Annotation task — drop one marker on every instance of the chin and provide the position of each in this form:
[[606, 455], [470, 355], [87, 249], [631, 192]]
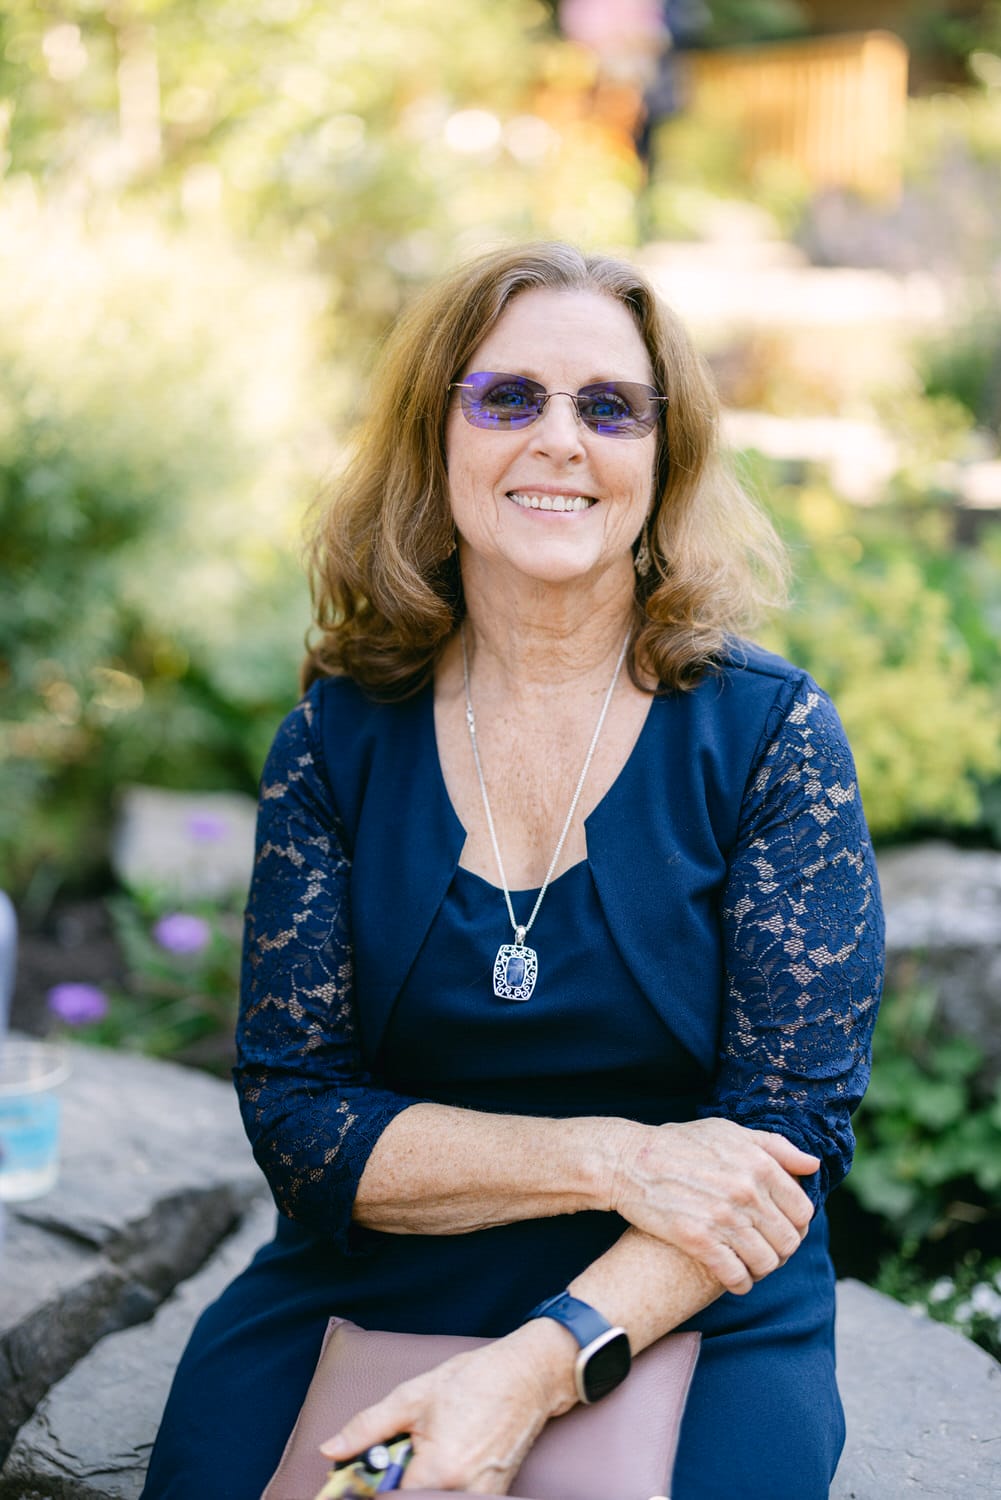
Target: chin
[[559, 567]]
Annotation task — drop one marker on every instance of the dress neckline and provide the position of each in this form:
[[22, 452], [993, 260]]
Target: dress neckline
[[428, 726]]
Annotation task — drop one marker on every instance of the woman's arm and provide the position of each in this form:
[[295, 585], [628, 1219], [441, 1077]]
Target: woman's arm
[[803, 944], [474, 1418], [726, 1195], [309, 1106]]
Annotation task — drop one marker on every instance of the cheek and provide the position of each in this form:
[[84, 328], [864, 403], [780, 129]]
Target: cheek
[[635, 480]]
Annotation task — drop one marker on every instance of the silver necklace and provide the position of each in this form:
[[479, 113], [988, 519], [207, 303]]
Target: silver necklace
[[516, 967]]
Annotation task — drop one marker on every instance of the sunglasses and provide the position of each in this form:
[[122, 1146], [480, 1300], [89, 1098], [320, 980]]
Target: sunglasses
[[613, 408]]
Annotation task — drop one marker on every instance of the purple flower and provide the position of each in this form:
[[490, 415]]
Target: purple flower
[[182, 933], [206, 828], [77, 1004]]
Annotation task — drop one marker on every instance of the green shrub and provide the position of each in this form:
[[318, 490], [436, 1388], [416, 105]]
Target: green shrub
[[929, 1132], [899, 627], [966, 366], [968, 1298], [153, 417], [927, 1170], [181, 997]]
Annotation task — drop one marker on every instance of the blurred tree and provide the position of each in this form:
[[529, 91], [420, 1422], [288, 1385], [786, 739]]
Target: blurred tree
[[375, 139], [735, 21]]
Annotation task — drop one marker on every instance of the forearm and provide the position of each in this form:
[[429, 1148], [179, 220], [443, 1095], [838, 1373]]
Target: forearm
[[644, 1286], [437, 1169]]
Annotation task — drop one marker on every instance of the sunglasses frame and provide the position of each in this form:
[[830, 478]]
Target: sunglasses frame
[[645, 424]]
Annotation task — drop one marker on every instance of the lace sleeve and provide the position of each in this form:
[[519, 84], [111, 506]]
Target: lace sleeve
[[803, 944], [309, 1107]]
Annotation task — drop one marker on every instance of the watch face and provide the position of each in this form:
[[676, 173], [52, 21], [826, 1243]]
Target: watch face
[[607, 1367]]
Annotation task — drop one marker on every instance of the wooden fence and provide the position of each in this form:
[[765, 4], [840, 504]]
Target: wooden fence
[[834, 106]]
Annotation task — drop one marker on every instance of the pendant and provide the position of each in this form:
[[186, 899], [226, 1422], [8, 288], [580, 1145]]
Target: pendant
[[516, 968]]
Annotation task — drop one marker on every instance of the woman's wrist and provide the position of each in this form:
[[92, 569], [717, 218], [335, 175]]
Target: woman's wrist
[[621, 1143], [588, 1156], [547, 1353]]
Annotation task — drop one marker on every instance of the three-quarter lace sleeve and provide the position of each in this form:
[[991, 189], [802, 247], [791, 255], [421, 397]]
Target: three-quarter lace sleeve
[[311, 1110], [803, 944]]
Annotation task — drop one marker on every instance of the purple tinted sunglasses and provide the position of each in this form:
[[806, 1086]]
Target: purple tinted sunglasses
[[613, 408]]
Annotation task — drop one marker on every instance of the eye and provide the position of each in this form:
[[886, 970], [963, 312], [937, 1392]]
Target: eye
[[606, 405], [509, 397]]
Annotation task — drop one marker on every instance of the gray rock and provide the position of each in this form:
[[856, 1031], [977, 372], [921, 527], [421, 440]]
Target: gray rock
[[91, 1437], [191, 844], [155, 1171], [943, 929], [57, 1297], [923, 1404]]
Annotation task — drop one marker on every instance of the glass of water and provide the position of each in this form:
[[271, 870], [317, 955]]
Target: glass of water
[[30, 1073]]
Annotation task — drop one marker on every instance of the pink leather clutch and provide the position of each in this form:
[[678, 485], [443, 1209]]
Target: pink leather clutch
[[620, 1449]]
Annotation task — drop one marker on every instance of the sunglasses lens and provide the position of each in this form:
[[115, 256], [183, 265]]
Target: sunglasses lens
[[613, 408], [493, 400], [617, 408]]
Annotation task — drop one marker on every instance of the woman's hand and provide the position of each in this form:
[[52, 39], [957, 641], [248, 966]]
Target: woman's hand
[[472, 1419], [725, 1195]]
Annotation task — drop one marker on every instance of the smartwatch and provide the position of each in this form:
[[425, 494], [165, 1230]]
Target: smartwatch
[[605, 1356]]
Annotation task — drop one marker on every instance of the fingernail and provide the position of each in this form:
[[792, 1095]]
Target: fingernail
[[334, 1447]]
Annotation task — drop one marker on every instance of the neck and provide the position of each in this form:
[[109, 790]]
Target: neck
[[525, 634]]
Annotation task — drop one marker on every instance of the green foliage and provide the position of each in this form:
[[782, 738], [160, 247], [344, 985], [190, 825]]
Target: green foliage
[[969, 1299], [928, 1166], [175, 1005], [900, 628], [152, 449], [965, 365], [954, 33], [735, 21], [929, 1135], [376, 140], [702, 178]]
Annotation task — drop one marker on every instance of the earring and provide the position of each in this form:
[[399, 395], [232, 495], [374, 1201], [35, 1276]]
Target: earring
[[643, 560]]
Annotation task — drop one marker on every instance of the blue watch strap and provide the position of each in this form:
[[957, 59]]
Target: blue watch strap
[[584, 1322]]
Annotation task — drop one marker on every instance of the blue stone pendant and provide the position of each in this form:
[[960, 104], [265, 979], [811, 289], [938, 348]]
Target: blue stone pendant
[[516, 969]]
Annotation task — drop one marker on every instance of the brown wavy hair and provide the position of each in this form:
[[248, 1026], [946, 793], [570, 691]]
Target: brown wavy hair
[[384, 572]]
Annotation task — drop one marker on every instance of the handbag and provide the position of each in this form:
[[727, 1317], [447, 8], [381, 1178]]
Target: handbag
[[622, 1448]]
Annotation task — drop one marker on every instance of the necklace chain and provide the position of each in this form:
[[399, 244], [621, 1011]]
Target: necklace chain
[[522, 931]]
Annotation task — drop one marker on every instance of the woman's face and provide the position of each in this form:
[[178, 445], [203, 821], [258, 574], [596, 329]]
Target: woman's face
[[564, 340]]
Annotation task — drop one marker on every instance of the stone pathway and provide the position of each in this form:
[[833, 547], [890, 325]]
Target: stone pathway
[[160, 1204]]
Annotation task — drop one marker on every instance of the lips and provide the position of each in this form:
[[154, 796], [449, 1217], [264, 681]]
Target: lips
[[531, 500]]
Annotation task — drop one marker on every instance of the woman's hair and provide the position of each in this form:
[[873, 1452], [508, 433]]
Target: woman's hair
[[384, 571]]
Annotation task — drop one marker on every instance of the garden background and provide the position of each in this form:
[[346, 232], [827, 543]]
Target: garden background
[[209, 215]]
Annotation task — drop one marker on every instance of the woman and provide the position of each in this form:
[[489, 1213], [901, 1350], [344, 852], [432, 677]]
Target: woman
[[563, 946]]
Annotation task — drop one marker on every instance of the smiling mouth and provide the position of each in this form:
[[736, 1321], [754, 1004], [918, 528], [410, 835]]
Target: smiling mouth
[[528, 500]]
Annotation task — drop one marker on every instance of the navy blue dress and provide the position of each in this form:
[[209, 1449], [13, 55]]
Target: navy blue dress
[[718, 953]]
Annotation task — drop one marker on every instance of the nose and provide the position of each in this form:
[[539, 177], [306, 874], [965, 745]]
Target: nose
[[559, 428]]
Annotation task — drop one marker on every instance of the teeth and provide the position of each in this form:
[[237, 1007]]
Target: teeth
[[529, 501]]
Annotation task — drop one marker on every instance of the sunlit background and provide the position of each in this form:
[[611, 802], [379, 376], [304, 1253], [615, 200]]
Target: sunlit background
[[210, 214]]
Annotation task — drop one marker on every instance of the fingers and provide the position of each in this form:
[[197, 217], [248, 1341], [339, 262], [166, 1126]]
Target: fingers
[[376, 1424], [801, 1163], [741, 1246]]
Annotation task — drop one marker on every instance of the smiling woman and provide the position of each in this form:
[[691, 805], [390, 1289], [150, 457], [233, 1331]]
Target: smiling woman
[[559, 977], [386, 572]]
